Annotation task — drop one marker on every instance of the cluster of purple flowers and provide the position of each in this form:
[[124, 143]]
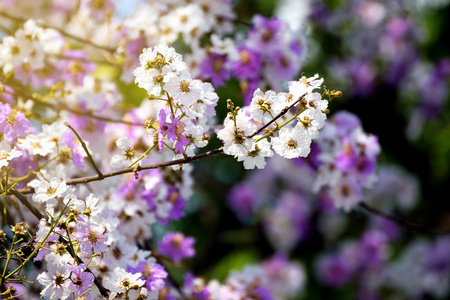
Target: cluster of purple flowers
[[272, 53]]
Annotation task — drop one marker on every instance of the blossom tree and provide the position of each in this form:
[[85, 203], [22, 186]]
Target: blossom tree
[[107, 120]]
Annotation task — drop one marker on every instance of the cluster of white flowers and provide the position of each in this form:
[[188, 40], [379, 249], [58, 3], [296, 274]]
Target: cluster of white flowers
[[185, 106], [29, 46], [289, 136]]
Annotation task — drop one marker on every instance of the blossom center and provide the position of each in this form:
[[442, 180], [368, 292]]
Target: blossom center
[[51, 191], [291, 144], [92, 236], [185, 86], [263, 104], [156, 63], [4, 155], [239, 136], [59, 279]]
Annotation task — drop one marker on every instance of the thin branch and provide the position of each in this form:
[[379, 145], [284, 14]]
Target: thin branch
[[24, 200], [62, 31], [232, 20], [134, 169], [83, 144], [59, 108], [282, 113], [400, 222]]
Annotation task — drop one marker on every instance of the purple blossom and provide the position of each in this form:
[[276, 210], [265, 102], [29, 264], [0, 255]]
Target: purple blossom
[[173, 199], [249, 64], [51, 239], [215, 67], [199, 292], [243, 199], [81, 280], [129, 190], [153, 275], [37, 78], [13, 123], [165, 295], [175, 134], [346, 159], [333, 270], [283, 65], [373, 248], [261, 293], [91, 237], [439, 260], [249, 89], [176, 246], [266, 34], [346, 122], [75, 67], [202, 294]]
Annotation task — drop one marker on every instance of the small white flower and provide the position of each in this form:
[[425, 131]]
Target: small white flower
[[292, 143], [117, 161], [263, 106], [184, 89], [45, 191], [304, 86], [255, 158], [312, 120], [123, 143], [56, 281], [6, 154], [234, 137], [39, 144], [346, 193], [122, 281]]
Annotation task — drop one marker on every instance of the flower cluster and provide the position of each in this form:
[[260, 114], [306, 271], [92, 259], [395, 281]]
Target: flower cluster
[[294, 133], [347, 160]]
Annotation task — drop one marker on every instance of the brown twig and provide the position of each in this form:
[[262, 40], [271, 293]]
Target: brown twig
[[400, 222], [232, 20], [282, 113], [83, 144], [24, 200], [87, 179], [62, 31]]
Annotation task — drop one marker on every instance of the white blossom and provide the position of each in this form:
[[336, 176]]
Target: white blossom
[[292, 143], [234, 137], [6, 154]]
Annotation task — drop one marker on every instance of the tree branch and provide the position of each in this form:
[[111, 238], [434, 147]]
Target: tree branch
[[83, 144], [134, 169], [400, 222]]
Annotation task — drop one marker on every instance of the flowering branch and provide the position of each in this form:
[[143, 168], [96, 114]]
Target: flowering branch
[[23, 199], [282, 113], [133, 170]]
